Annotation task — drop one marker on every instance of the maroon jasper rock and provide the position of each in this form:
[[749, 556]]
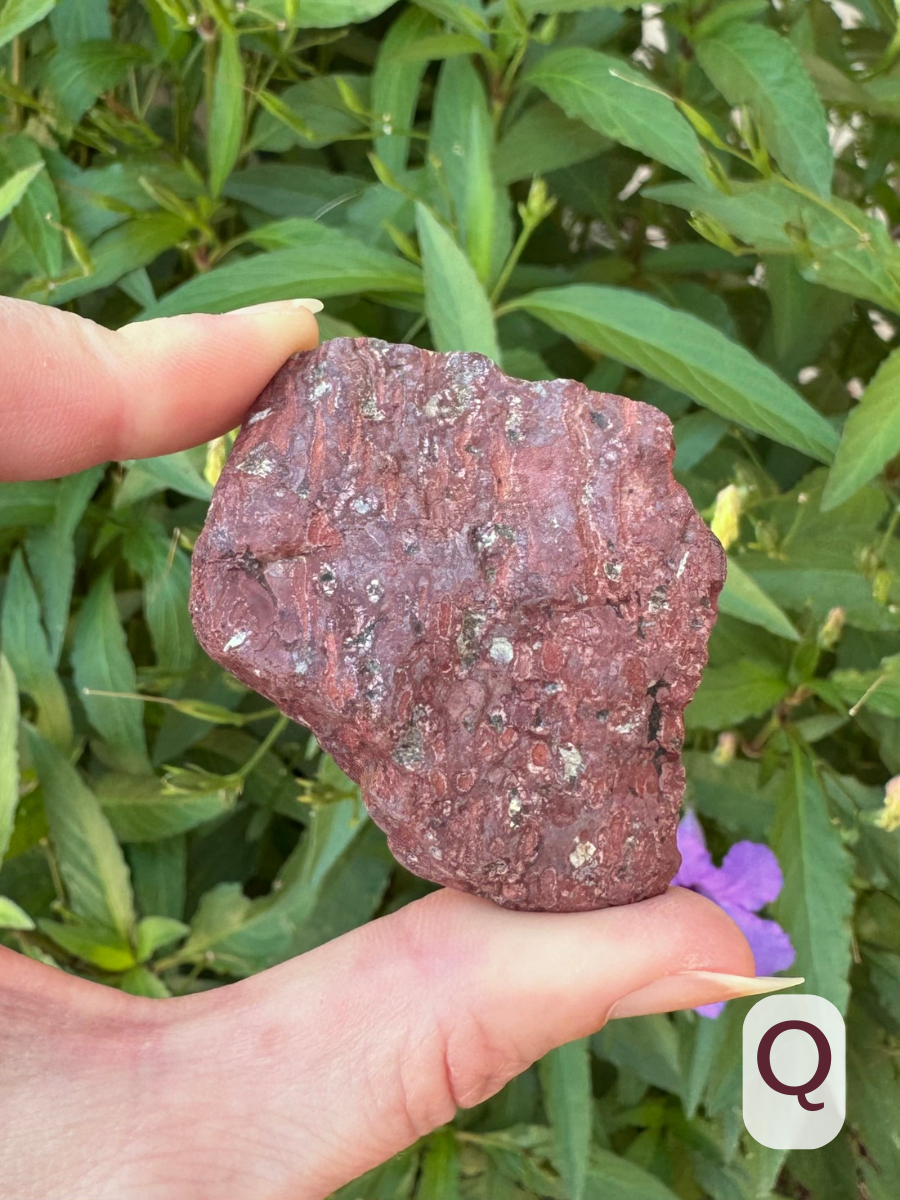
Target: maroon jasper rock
[[488, 599]]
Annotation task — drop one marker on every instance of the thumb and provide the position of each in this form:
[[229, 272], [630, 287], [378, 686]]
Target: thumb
[[376, 1038], [73, 393]]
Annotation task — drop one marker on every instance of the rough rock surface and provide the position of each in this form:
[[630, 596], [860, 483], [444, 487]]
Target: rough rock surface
[[487, 598]]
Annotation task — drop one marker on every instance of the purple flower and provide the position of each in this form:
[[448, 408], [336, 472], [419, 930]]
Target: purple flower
[[748, 879]]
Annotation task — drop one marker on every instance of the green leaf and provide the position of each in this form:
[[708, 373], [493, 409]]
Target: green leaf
[[178, 471], [133, 244], [877, 689], [568, 1098], [752, 65], [79, 73], [101, 661], [729, 695], [326, 14], [51, 553], [395, 85], [871, 436], [226, 118], [544, 139], [141, 982], [143, 808], [89, 857], [439, 1176], [25, 645], [312, 114], [12, 916], [532, 7], [93, 943], [36, 211], [835, 243], [873, 1094], [647, 1046], [696, 435], [623, 104], [329, 264], [460, 152], [293, 190], [615, 1178], [18, 15], [817, 900], [9, 752], [26, 503], [244, 935], [74, 21], [743, 597], [12, 191], [158, 870], [154, 933], [458, 310], [686, 353]]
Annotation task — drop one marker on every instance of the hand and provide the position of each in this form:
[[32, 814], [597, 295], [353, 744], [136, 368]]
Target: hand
[[297, 1080]]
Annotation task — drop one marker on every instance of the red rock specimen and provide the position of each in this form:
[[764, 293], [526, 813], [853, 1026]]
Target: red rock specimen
[[487, 598]]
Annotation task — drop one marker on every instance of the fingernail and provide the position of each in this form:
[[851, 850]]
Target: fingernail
[[689, 989], [313, 306]]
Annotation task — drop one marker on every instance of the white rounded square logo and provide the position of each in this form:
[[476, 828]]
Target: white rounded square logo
[[795, 1089]]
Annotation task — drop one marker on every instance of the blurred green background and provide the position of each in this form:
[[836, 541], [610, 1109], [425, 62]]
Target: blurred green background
[[693, 204]]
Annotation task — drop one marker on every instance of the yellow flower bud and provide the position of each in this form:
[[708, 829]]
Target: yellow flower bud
[[888, 818], [726, 522], [830, 633], [726, 749]]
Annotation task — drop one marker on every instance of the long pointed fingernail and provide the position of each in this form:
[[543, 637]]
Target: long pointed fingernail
[[689, 989], [313, 306]]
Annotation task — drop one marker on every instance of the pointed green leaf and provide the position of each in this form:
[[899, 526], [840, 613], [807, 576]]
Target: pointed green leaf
[[620, 102], [871, 436], [101, 661], [544, 139], [458, 310], [439, 1177], [688, 354], [330, 263], [121, 250], [25, 645], [743, 597], [142, 808], [568, 1098], [729, 695], [326, 14], [159, 870], [12, 191], [836, 243], [12, 916], [245, 935], [36, 213], [9, 752], [79, 73], [95, 944], [460, 154], [615, 1178], [752, 65], [140, 981], [51, 553], [89, 857], [153, 933], [395, 85], [226, 118], [26, 503], [18, 15], [816, 901]]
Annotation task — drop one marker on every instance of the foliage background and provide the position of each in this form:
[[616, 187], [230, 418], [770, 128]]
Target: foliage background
[[694, 205]]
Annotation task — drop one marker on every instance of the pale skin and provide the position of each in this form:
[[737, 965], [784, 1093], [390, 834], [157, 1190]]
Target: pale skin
[[293, 1082]]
